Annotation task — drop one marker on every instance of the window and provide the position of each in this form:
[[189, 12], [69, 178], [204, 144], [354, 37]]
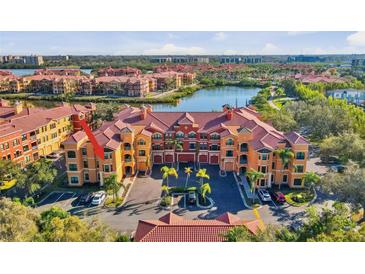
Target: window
[[97, 164], [25, 148], [107, 168], [203, 136], [27, 159], [71, 154], [72, 167], [168, 146], [86, 164], [243, 159], [263, 169], [286, 166], [127, 146], [141, 153], [229, 153], [84, 151], [214, 147], [192, 135], [244, 147], [127, 158], [273, 165], [24, 137], [179, 135], [192, 146], [15, 142], [203, 146], [156, 136], [53, 135], [156, 147], [108, 155], [300, 155], [297, 182], [272, 178], [74, 180], [230, 142], [215, 136], [52, 126], [168, 135], [285, 178], [299, 168], [141, 142], [263, 156], [262, 182], [86, 177]]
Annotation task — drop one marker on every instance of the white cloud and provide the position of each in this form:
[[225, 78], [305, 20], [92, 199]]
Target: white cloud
[[230, 52], [270, 48], [170, 49], [356, 39], [219, 36]]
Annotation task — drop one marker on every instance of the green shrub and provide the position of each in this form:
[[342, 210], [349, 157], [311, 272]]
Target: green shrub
[[166, 201]]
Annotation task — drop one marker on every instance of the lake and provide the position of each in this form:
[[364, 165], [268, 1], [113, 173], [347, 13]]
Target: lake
[[207, 99], [211, 99], [24, 72]]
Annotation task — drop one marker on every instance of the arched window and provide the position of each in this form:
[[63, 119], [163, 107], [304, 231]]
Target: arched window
[[243, 159], [230, 142], [214, 136], [243, 147], [156, 136], [141, 142], [127, 146], [179, 135], [192, 135], [127, 158]]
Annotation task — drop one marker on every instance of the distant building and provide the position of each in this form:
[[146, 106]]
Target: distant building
[[357, 62], [240, 59], [305, 58], [29, 60], [34, 60]]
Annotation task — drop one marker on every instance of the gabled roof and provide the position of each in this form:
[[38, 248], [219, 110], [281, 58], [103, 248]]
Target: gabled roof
[[186, 119], [295, 138]]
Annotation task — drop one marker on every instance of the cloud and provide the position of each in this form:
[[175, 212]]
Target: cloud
[[356, 39], [297, 33], [170, 49], [219, 36], [230, 52], [270, 48]]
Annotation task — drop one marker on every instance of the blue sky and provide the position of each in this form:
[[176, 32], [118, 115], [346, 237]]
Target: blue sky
[[152, 43]]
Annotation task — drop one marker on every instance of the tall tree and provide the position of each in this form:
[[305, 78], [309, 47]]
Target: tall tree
[[111, 184], [202, 174], [285, 155], [253, 176], [310, 179], [167, 172], [204, 189], [188, 172]]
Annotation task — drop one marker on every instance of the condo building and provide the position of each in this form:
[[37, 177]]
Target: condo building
[[28, 134], [234, 139]]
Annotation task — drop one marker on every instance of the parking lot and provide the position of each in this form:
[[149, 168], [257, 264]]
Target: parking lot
[[62, 199]]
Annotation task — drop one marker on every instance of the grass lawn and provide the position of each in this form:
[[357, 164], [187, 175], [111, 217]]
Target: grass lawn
[[299, 198], [8, 184]]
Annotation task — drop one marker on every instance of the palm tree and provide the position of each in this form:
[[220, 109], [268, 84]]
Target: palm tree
[[111, 183], [188, 172], [202, 174], [165, 189], [178, 145], [310, 179], [168, 171], [285, 155], [204, 189], [253, 176]]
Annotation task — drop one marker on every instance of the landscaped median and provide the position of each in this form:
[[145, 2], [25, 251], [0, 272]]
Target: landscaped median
[[299, 198]]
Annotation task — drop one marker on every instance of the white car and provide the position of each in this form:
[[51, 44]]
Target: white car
[[264, 195], [98, 198]]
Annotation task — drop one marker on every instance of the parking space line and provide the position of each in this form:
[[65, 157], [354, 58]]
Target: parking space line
[[60, 197], [274, 203]]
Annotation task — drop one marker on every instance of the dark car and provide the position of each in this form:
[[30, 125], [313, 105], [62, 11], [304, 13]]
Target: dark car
[[278, 197], [192, 198], [86, 198]]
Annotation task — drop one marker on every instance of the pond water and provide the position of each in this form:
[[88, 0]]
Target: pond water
[[211, 99], [208, 99], [24, 72]]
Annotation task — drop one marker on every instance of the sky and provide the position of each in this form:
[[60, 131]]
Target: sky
[[171, 43]]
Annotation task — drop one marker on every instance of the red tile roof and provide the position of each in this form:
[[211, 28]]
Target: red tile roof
[[173, 228]]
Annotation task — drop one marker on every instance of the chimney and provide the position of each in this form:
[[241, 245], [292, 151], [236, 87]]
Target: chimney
[[143, 114], [228, 110], [18, 107]]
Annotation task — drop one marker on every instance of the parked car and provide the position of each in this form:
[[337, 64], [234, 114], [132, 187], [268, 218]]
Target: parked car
[[329, 160], [86, 198], [192, 198], [264, 195], [98, 198], [53, 155], [278, 197]]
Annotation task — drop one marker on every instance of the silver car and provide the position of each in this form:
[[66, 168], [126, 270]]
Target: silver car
[[264, 195], [98, 198]]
